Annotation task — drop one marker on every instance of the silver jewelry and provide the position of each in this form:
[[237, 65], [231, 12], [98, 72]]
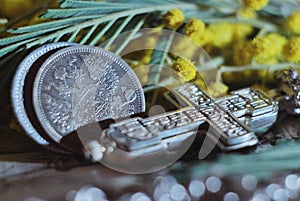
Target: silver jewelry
[[234, 121]]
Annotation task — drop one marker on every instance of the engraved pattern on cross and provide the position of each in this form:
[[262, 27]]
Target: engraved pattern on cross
[[233, 121]]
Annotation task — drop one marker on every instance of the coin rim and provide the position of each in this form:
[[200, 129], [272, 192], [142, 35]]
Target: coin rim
[[17, 93], [56, 136]]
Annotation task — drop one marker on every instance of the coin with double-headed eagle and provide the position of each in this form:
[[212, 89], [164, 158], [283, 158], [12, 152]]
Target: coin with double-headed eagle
[[80, 85]]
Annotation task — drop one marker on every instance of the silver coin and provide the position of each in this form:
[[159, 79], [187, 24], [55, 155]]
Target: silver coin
[[80, 85], [18, 96]]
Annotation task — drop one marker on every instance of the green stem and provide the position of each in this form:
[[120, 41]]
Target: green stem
[[131, 35], [88, 35], [101, 33], [11, 48], [118, 31], [73, 36]]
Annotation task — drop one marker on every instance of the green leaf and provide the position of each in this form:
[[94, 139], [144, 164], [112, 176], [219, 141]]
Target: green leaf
[[13, 39], [57, 23], [86, 4], [75, 12], [87, 22], [102, 32], [130, 36], [118, 31], [147, 2], [13, 47]]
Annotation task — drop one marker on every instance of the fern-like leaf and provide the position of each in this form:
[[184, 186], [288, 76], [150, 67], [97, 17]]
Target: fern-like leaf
[[57, 23], [86, 22], [14, 39], [6, 50], [76, 12], [86, 4]]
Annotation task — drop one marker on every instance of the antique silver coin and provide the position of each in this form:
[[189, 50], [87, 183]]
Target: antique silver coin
[[18, 96], [80, 85]]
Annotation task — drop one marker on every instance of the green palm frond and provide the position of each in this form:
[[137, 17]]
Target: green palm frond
[[86, 22]]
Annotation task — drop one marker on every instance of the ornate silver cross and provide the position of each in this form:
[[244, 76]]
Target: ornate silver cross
[[233, 121]]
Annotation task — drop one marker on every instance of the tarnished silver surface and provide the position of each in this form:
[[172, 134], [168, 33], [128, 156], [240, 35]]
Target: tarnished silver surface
[[17, 93], [81, 85]]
